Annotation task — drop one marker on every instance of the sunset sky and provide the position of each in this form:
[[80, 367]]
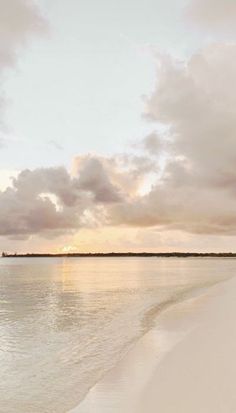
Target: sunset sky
[[118, 125]]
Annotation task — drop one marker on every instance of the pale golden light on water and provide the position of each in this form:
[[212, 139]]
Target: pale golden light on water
[[77, 317]]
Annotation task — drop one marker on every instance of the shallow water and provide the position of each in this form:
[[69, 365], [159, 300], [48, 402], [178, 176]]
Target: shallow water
[[65, 322]]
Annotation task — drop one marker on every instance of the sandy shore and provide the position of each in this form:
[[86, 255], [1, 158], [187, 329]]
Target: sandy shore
[[187, 363]]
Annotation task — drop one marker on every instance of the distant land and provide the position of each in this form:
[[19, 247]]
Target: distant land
[[125, 254]]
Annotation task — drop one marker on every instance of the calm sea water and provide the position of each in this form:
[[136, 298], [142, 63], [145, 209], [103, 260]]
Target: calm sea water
[[65, 322]]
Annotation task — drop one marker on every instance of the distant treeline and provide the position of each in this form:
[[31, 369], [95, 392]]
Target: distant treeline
[[126, 254]]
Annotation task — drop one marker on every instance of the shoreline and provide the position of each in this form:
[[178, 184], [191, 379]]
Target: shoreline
[[137, 380]]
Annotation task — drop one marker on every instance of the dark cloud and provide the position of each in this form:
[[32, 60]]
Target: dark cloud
[[48, 201], [94, 178], [29, 206]]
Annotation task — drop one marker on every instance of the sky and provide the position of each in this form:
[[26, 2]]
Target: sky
[[117, 125]]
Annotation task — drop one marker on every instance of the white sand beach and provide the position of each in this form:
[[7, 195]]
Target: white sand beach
[[186, 363]]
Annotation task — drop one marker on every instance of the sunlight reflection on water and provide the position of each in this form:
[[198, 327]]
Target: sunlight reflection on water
[[64, 322]]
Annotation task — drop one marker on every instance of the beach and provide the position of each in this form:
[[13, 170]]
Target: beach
[[117, 206], [111, 335], [186, 363]]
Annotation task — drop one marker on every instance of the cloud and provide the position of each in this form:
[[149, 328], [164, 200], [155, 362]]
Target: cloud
[[216, 15], [25, 210], [93, 177], [55, 145], [112, 179], [196, 193], [19, 20], [196, 100], [187, 168], [152, 144], [49, 201]]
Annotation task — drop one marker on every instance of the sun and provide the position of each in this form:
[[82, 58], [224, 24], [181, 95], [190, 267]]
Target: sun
[[69, 248]]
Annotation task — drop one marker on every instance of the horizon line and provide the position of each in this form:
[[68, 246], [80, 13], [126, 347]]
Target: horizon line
[[119, 254]]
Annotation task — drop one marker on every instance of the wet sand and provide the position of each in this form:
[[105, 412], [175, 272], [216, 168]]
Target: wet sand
[[186, 363]]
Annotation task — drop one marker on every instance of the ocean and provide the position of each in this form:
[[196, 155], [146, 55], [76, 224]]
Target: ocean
[[65, 322]]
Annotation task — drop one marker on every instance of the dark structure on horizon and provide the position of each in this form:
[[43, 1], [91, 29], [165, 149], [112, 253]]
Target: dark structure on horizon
[[125, 254]]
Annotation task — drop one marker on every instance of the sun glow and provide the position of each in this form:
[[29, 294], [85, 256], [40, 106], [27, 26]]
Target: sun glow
[[69, 249]]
